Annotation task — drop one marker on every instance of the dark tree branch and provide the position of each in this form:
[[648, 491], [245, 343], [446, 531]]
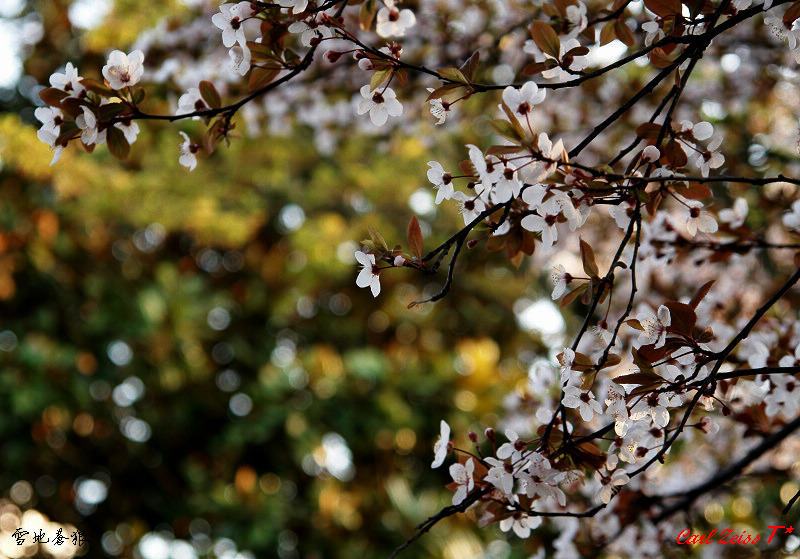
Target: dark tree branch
[[730, 471]]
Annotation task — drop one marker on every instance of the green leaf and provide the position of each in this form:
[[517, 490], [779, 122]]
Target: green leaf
[[210, 95], [110, 110], [138, 95], [443, 90], [545, 38], [366, 14], [377, 239], [453, 75], [503, 128], [98, 87], [379, 78]]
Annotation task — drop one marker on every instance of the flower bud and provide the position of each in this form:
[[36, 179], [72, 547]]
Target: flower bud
[[333, 56], [650, 154], [489, 434], [473, 436]]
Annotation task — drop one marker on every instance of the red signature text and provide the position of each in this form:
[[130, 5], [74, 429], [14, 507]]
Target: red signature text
[[728, 536]]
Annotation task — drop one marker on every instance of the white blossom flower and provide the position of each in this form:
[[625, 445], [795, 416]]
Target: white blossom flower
[[508, 185], [534, 171], [87, 122], [699, 219], [509, 449], [584, 402], [701, 131], [710, 158], [380, 105], [653, 31], [123, 70], [791, 219], [565, 360], [470, 207], [653, 405], [130, 129], [441, 180], [617, 479], [735, 216], [578, 62], [488, 169], [655, 327], [521, 524], [240, 58], [369, 276], [188, 158], [539, 478], [441, 446], [297, 6], [394, 23], [49, 137], [784, 397], [650, 154], [560, 279], [545, 222], [230, 19], [501, 475], [462, 475], [51, 118], [69, 81], [310, 30], [622, 214], [576, 15], [617, 408], [522, 100], [190, 102], [438, 110]]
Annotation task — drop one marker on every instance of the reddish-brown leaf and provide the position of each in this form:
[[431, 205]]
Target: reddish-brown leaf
[[546, 39], [415, 237], [608, 33], [117, 144], [587, 257], [624, 33], [696, 191], [574, 294], [210, 94], [260, 77], [701, 293], [664, 8], [682, 318], [791, 14], [471, 66], [648, 131], [52, 96]]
